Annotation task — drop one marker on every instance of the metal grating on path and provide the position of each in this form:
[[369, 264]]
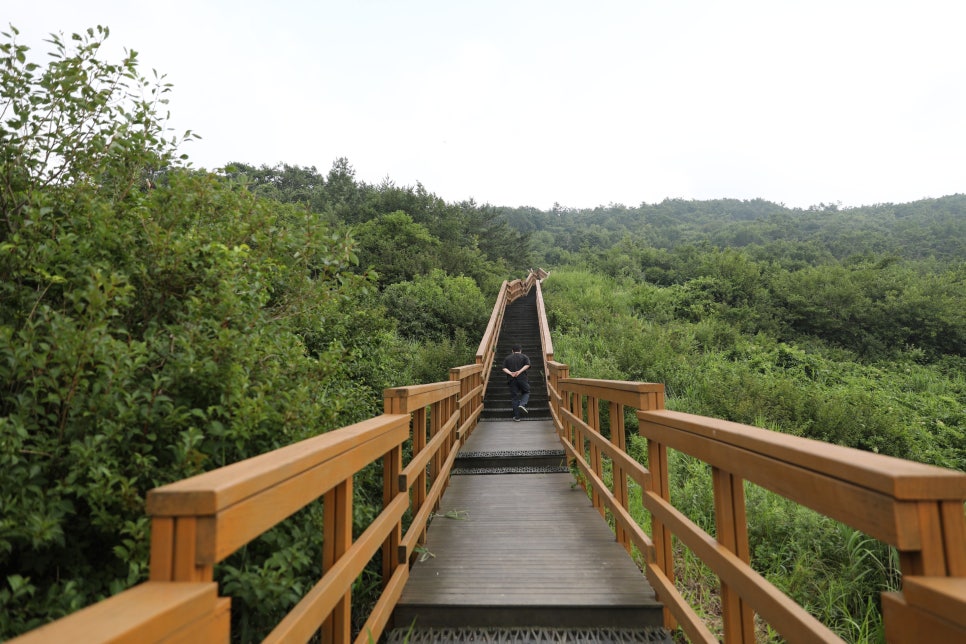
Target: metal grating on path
[[529, 635], [514, 452], [549, 469]]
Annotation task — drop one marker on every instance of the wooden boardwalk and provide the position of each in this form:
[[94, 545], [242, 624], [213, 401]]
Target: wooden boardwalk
[[511, 550]]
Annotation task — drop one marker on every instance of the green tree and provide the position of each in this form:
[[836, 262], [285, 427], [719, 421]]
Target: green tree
[[437, 306], [396, 247]]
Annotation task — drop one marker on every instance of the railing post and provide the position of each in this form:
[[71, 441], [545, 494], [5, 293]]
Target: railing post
[[419, 444], [437, 415], [337, 537], [660, 485], [561, 372], [593, 420], [661, 534], [731, 526], [617, 437], [467, 383], [174, 549], [391, 468]]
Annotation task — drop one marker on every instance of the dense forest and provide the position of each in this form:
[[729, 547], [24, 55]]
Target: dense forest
[[157, 321]]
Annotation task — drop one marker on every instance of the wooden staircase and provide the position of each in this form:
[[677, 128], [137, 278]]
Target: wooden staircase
[[520, 326]]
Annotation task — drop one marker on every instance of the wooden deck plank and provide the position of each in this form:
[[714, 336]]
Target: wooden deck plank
[[507, 435], [523, 549]]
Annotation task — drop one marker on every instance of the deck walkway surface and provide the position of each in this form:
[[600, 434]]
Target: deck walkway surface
[[526, 549]]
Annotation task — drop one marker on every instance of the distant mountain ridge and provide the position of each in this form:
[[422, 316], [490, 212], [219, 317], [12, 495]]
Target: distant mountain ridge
[[928, 228]]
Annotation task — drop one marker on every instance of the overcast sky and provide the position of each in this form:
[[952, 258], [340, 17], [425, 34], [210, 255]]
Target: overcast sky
[[581, 103]]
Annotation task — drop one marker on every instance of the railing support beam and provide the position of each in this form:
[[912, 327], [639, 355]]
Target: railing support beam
[[732, 532]]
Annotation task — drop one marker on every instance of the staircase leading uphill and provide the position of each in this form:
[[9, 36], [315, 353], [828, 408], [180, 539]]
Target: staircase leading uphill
[[520, 326]]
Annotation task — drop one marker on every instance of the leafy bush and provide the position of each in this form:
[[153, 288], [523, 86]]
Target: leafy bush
[[437, 306]]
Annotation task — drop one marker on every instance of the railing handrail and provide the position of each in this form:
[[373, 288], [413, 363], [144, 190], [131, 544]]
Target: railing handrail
[[546, 342], [492, 331], [899, 478]]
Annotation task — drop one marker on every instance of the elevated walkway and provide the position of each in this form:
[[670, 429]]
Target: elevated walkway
[[516, 552]]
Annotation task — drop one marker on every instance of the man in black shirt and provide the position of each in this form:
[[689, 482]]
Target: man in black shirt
[[515, 367]]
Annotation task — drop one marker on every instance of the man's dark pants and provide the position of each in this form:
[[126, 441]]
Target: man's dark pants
[[520, 391]]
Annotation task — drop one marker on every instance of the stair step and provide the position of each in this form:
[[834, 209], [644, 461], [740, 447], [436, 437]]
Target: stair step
[[511, 461]]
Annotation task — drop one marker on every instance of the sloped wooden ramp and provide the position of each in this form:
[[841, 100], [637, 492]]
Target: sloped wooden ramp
[[524, 551]]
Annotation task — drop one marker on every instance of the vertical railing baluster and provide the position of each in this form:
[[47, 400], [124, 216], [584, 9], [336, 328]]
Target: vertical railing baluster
[[660, 533], [596, 465], [336, 539], [391, 468], [731, 527], [619, 486]]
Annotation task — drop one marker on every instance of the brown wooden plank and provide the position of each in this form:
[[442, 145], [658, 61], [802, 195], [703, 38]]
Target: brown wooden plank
[[892, 476], [419, 461], [792, 621], [214, 627], [149, 612], [638, 472], [868, 510], [629, 394], [905, 623], [382, 612], [416, 396], [954, 537], [623, 521], [414, 535], [237, 525], [210, 492], [185, 550], [303, 620], [692, 623], [336, 540], [523, 541], [931, 556], [732, 532], [944, 596], [458, 373], [162, 549]]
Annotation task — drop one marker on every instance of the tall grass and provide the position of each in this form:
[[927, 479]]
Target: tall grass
[[604, 328]]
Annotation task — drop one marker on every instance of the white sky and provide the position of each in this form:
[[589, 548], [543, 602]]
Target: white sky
[[581, 103]]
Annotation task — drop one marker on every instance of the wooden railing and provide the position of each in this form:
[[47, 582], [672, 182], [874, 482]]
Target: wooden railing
[[198, 522], [916, 508], [546, 342]]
